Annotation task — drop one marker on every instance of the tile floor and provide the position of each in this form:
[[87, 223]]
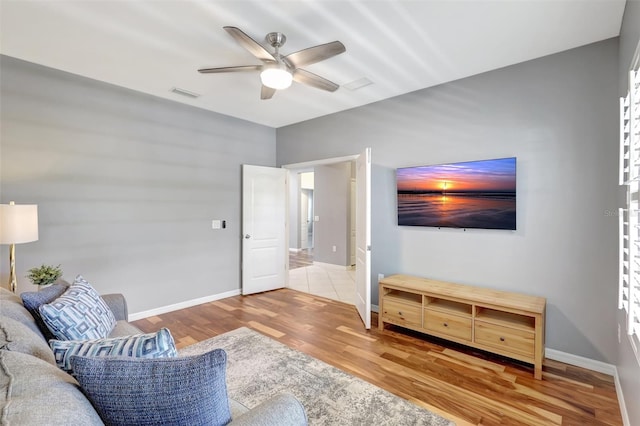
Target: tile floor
[[322, 279]]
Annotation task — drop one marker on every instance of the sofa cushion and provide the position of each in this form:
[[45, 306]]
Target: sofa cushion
[[79, 314], [32, 300], [282, 409], [11, 306], [131, 391], [15, 336], [237, 409], [8, 296], [124, 328], [151, 345], [118, 305], [34, 392]]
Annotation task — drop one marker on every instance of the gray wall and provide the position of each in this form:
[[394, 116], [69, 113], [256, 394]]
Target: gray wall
[[126, 185], [331, 203], [628, 368], [558, 116]]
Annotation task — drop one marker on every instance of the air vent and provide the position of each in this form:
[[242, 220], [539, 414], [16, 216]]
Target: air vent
[[184, 92], [358, 84]]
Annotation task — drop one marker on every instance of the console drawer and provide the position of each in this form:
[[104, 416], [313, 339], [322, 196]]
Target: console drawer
[[447, 324], [402, 313], [508, 340]]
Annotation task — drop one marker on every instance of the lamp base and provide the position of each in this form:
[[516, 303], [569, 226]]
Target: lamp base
[[13, 284]]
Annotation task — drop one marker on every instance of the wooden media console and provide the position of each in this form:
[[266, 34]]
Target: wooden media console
[[504, 323]]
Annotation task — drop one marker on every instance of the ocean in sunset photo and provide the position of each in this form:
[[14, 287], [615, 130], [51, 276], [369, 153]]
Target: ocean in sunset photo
[[477, 194]]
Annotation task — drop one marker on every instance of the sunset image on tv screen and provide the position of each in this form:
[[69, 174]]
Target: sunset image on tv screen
[[475, 194]]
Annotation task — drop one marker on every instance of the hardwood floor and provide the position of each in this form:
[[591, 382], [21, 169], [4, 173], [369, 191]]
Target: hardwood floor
[[300, 259], [465, 385]]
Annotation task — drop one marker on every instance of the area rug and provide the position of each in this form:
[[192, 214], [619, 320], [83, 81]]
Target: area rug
[[259, 367]]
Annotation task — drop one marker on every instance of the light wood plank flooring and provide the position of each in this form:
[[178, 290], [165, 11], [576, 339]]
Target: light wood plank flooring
[[300, 259], [467, 386]]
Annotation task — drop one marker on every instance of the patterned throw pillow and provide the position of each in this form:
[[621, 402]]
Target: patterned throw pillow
[[152, 345], [132, 391], [79, 314], [32, 300]]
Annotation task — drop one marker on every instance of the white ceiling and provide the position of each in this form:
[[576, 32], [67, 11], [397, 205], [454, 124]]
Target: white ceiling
[[402, 46]]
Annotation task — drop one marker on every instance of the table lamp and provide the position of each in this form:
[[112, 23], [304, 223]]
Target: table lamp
[[18, 224]]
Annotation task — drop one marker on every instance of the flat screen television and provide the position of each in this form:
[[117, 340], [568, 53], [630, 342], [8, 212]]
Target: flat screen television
[[474, 194]]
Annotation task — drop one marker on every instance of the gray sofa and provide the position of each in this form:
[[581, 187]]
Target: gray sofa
[[34, 391]]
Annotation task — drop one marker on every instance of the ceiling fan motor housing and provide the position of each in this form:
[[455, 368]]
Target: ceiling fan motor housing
[[276, 39]]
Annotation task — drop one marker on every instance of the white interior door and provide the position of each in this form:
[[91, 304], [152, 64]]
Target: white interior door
[[363, 236], [264, 248]]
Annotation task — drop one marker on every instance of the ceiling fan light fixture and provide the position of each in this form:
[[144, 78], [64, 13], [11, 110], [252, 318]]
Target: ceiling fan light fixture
[[277, 71], [277, 77]]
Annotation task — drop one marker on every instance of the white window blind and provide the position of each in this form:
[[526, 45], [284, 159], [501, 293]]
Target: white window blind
[[629, 281]]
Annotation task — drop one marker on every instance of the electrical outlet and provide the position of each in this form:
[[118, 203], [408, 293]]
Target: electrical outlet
[[334, 249], [380, 276]]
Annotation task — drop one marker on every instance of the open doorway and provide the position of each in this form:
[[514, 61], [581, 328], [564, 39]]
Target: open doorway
[[322, 257], [276, 257], [359, 167]]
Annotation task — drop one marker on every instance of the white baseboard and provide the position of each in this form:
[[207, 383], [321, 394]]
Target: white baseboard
[[295, 250], [375, 308], [182, 305], [623, 405], [579, 361], [600, 367]]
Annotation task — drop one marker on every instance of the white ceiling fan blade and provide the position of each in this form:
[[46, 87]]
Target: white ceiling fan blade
[[230, 69], [315, 54], [255, 48], [314, 80], [266, 92]]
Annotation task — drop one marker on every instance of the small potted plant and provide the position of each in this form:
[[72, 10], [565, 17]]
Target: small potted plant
[[44, 275]]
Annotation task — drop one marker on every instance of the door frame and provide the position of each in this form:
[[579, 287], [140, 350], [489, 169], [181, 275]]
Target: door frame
[[313, 163], [306, 166], [294, 167]]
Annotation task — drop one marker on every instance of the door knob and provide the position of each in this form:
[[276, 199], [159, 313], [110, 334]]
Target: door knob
[[246, 237]]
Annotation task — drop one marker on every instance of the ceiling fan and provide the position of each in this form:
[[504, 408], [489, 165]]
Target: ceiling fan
[[278, 71]]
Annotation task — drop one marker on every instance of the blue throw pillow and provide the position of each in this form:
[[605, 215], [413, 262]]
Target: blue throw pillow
[[164, 391], [79, 314], [151, 345], [32, 300]]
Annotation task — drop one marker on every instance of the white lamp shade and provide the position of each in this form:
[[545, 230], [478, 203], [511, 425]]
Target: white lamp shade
[[276, 77], [18, 223]]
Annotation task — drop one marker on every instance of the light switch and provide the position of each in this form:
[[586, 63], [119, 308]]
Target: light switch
[[316, 218], [216, 224]]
